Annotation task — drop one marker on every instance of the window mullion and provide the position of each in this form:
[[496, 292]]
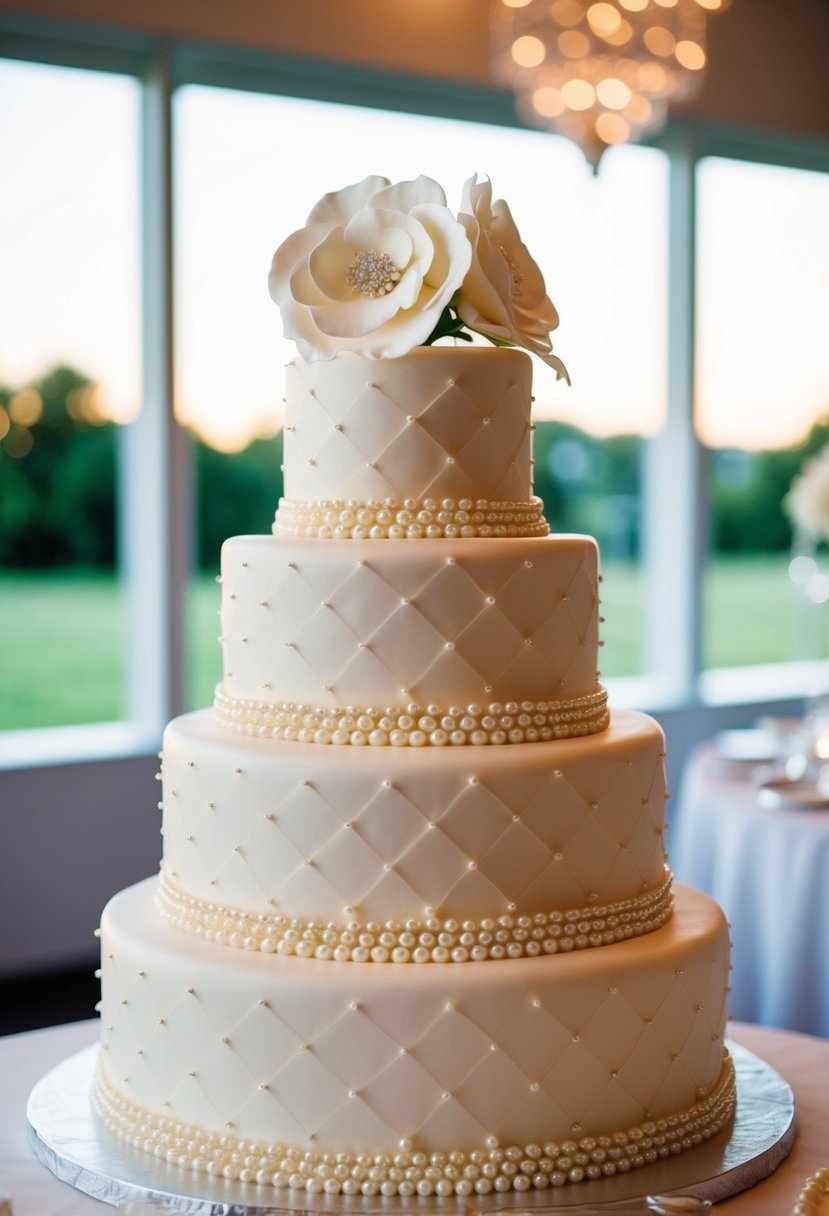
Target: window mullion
[[156, 507], [675, 464]]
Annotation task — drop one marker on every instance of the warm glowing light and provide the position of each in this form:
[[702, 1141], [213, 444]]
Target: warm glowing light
[[604, 19], [578, 94], [596, 40], [19, 442], [690, 55], [528, 51], [653, 78], [639, 110], [567, 12], [659, 40], [516, 3], [622, 35], [4, 424], [613, 93], [612, 128], [573, 44], [26, 407], [88, 404], [547, 101]]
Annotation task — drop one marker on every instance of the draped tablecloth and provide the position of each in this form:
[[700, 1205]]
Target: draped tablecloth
[[769, 869], [24, 1059]]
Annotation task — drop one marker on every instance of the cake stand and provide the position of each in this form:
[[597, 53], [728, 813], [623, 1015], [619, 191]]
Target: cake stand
[[67, 1137]]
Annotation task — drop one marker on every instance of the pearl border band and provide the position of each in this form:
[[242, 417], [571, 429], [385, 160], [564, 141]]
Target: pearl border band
[[411, 519], [433, 940], [414, 725], [407, 1171], [815, 1190]]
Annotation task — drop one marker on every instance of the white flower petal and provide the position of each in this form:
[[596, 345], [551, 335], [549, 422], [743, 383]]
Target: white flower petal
[[408, 290], [292, 250], [558, 367], [302, 287], [452, 251], [340, 205], [476, 199], [405, 195], [328, 266], [360, 316], [396, 243], [503, 296]]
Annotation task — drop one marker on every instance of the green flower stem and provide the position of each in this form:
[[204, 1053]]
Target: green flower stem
[[449, 326]]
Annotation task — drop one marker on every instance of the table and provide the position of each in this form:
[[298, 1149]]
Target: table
[[24, 1058], [769, 870]]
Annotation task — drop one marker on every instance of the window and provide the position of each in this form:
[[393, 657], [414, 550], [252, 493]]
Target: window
[[762, 399], [69, 373]]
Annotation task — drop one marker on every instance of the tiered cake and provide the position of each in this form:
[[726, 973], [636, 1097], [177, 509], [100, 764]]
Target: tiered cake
[[413, 932]]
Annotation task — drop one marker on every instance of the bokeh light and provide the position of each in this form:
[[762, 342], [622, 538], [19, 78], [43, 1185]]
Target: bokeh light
[[528, 51]]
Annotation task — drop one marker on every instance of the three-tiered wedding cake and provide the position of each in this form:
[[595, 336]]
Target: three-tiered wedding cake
[[413, 932]]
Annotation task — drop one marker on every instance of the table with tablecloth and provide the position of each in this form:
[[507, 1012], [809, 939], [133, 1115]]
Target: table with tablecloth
[[803, 1060], [768, 867]]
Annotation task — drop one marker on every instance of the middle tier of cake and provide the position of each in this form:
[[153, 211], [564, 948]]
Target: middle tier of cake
[[456, 628], [260, 833]]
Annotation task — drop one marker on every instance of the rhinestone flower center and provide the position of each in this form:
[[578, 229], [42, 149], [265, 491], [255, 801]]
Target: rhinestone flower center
[[372, 274]]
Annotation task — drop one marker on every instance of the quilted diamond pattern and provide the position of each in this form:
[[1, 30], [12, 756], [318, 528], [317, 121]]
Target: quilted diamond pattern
[[604, 1039], [368, 624], [387, 835], [442, 429]]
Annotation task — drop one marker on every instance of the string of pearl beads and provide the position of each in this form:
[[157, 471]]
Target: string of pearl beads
[[433, 940], [407, 1171], [409, 519], [815, 1190], [415, 726]]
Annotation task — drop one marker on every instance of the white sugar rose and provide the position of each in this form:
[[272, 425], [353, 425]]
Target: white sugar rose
[[372, 270], [503, 296]]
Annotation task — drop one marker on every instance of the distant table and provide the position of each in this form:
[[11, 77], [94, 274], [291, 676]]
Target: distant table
[[769, 869], [25, 1058]]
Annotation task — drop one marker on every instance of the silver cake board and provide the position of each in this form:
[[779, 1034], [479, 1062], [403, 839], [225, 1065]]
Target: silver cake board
[[68, 1138]]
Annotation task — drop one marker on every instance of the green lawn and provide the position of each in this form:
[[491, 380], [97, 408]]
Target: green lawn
[[62, 643], [62, 635]]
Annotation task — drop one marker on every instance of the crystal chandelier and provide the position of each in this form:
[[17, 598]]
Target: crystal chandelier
[[600, 73]]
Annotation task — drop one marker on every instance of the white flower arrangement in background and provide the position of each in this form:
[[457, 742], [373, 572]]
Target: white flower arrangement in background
[[807, 502], [379, 269]]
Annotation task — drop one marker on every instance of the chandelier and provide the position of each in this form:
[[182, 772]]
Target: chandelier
[[600, 73]]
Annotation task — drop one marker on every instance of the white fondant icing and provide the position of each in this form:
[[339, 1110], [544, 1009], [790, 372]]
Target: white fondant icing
[[409, 1172], [366, 623], [549, 826], [413, 427], [611, 1038]]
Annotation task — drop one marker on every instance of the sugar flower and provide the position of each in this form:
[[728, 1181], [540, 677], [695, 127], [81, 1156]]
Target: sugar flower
[[379, 269], [372, 270], [503, 296]]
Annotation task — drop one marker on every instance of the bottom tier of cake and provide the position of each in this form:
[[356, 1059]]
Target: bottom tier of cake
[[384, 1078]]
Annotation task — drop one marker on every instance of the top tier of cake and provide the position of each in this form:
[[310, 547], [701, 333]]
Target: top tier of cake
[[443, 425]]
